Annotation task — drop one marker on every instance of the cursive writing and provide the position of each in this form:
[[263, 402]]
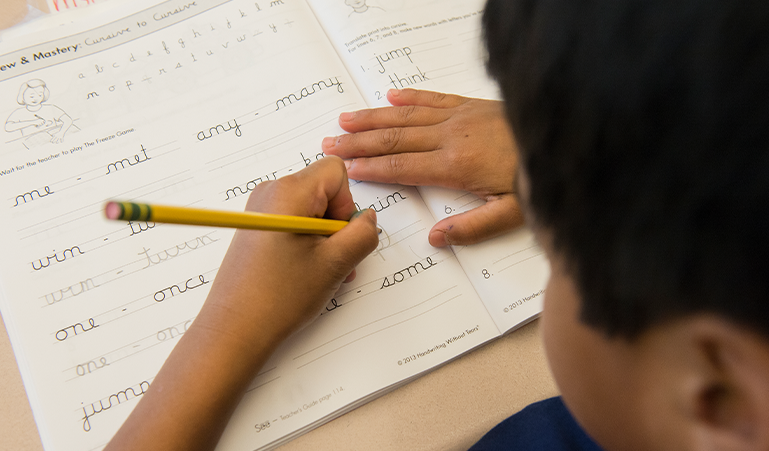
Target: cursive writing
[[67, 253], [174, 251], [305, 92], [409, 271], [220, 129], [111, 401], [65, 333], [31, 195], [160, 295], [122, 163]]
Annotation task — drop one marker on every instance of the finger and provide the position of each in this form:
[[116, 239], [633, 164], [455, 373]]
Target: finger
[[498, 216], [350, 277], [400, 116], [319, 190], [383, 142], [354, 242], [414, 169], [419, 97], [327, 179]]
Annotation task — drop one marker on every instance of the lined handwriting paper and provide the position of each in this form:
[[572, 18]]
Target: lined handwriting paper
[[195, 104], [436, 45]]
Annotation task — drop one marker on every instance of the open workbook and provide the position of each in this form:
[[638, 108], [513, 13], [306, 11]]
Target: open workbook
[[195, 103]]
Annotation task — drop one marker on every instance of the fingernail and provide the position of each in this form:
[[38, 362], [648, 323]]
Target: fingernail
[[346, 117], [439, 238], [348, 164], [357, 214], [394, 92], [328, 142]]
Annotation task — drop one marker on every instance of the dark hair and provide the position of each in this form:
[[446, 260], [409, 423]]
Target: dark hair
[[643, 127]]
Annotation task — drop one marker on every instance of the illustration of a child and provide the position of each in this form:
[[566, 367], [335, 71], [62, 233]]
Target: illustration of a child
[[37, 121]]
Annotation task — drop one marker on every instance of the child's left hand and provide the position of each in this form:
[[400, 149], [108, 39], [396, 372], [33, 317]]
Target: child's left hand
[[430, 138]]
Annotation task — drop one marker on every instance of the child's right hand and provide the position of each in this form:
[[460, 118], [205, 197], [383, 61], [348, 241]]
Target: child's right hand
[[272, 283], [269, 285]]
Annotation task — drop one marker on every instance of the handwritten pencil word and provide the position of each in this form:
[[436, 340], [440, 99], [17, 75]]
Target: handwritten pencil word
[[173, 332], [67, 253], [384, 243], [219, 128], [334, 304], [410, 271], [139, 228], [305, 92], [91, 366], [160, 295], [249, 186], [391, 199], [70, 291], [392, 55], [63, 334], [400, 83], [32, 195], [111, 401], [174, 251], [137, 160]]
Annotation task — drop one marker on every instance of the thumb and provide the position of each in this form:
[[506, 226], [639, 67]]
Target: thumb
[[500, 214], [354, 242]]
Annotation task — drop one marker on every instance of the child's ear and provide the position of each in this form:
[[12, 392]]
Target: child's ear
[[729, 393]]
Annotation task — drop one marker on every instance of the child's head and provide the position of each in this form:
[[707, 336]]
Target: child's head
[[32, 92], [643, 128]]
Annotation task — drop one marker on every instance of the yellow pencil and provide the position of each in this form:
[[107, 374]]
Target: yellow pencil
[[129, 211]]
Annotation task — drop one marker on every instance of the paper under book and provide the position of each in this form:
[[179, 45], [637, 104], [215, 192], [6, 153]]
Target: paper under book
[[195, 103]]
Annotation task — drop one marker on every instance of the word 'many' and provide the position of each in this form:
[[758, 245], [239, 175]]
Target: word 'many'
[[305, 92]]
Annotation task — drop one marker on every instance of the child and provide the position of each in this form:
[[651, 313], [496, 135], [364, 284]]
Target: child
[[642, 129]]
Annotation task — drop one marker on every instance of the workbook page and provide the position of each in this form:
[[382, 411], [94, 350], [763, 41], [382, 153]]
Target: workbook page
[[194, 104], [436, 45], [423, 44]]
